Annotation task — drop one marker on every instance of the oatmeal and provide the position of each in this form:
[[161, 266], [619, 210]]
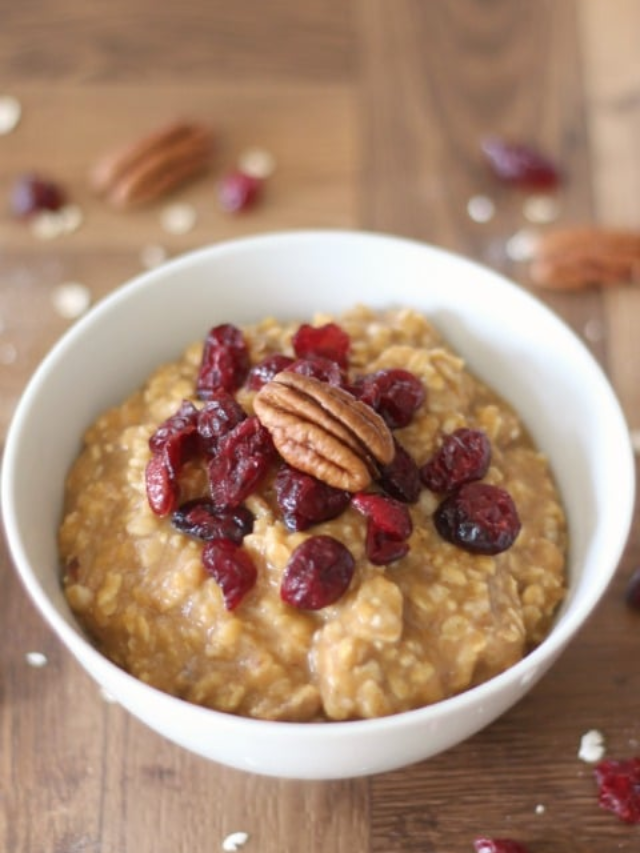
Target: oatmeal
[[212, 546]]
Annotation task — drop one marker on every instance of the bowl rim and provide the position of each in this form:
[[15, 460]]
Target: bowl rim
[[75, 640]]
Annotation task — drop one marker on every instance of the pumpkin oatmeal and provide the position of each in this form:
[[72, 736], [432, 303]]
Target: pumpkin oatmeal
[[326, 521]]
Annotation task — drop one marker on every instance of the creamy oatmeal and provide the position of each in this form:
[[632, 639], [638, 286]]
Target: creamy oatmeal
[[433, 621]]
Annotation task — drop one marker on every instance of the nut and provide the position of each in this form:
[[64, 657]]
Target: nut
[[575, 258], [324, 431], [153, 165]]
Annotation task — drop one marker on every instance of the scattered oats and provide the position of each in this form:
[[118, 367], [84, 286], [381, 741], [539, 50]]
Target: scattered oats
[[235, 841], [178, 218], [47, 225], [8, 353], [635, 440], [71, 299], [591, 746], [541, 209], [153, 256], [593, 330], [540, 809], [522, 245], [36, 659], [108, 697], [10, 112], [257, 162], [71, 218], [481, 208]]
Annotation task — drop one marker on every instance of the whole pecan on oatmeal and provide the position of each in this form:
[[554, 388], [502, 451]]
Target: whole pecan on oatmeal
[[573, 258], [323, 430], [154, 164]]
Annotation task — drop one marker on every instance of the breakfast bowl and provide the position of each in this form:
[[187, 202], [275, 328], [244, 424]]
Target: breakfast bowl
[[508, 339]]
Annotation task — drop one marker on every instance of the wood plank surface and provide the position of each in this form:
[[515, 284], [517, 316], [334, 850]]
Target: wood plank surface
[[374, 111]]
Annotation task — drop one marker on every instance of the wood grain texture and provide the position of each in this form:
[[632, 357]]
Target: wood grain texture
[[374, 111]]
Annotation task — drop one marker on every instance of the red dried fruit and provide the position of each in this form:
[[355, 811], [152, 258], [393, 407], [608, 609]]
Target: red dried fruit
[[632, 592], [389, 516], [382, 549], [231, 568], [238, 191], [520, 164], [389, 525], [463, 456], [218, 417], [242, 460], [176, 438], [33, 194], [305, 501], [161, 486], [479, 517], [395, 394], [199, 518], [318, 573], [328, 341], [266, 369], [401, 478], [320, 368], [619, 788], [498, 845], [225, 361]]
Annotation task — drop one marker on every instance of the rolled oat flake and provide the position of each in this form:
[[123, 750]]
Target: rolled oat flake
[[235, 841], [71, 299], [36, 659], [10, 112]]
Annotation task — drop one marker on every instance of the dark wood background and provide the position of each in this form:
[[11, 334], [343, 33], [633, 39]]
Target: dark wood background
[[374, 110]]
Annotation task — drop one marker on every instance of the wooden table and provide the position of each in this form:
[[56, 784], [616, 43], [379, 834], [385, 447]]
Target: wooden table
[[373, 110]]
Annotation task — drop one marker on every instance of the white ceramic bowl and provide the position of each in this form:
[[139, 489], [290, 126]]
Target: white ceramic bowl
[[507, 337]]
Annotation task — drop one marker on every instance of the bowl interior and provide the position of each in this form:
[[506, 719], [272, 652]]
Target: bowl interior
[[507, 337]]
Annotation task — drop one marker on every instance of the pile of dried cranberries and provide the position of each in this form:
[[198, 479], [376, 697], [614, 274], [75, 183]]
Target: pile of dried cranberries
[[238, 451]]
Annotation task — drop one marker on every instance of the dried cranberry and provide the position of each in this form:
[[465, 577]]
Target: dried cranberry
[[382, 549], [242, 460], [389, 525], [266, 369], [619, 788], [520, 164], [498, 845], [217, 417], [479, 517], [177, 436], [320, 368], [225, 361], [318, 573], [231, 568], [395, 394], [33, 194], [305, 501], [238, 191], [328, 341], [463, 456], [401, 478], [632, 592], [199, 519], [161, 486], [388, 515]]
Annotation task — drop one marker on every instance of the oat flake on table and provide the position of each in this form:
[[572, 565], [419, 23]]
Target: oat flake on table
[[481, 208], [71, 299], [178, 218], [257, 162], [10, 113], [235, 841], [591, 746]]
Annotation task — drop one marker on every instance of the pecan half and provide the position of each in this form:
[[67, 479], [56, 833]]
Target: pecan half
[[575, 258], [324, 431], [154, 165]]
